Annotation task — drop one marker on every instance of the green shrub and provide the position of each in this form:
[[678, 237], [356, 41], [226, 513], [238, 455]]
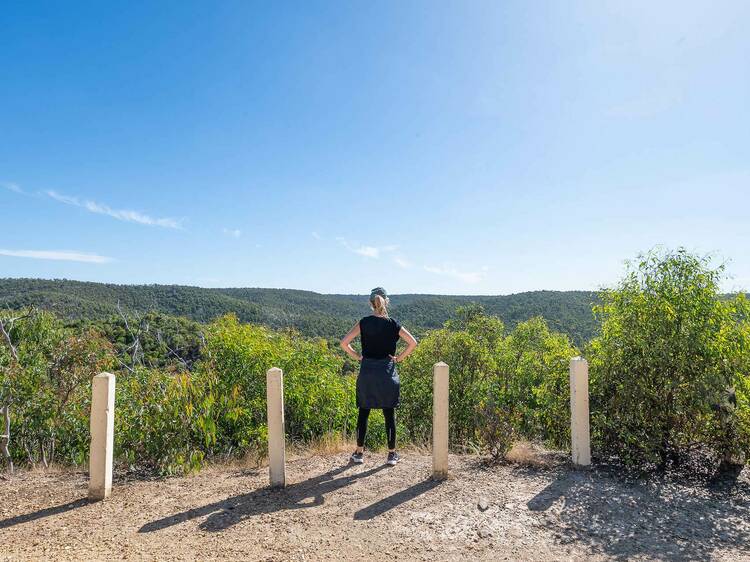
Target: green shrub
[[500, 386], [668, 352], [532, 382], [164, 422], [318, 399], [499, 428], [743, 417], [469, 346], [48, 386]]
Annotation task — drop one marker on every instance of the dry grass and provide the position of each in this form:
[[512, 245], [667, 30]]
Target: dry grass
[[54, 468], [525, 453], [329, 444]]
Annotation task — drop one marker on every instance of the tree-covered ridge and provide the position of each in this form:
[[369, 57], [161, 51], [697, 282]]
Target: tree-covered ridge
[[313, 314]]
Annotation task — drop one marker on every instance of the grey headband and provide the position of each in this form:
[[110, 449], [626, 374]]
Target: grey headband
[[378, 291]]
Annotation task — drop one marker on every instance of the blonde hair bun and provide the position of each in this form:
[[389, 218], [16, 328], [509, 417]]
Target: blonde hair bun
[[379, 305]]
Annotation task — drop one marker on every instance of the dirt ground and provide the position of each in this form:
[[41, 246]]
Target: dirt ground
[[331, 510]]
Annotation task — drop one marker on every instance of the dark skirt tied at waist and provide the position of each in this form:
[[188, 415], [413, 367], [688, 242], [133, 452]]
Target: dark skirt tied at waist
[[378, 385]]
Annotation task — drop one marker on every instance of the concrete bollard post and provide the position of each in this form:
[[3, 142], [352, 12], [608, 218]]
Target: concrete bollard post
[[440, 421], [579, 412], [276, 436], [102, 435]]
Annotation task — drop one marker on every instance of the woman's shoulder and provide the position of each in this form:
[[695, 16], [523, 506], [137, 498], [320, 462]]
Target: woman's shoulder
[[374, 318]]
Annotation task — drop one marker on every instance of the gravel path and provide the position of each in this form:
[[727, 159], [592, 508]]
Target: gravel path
[[333, 511]]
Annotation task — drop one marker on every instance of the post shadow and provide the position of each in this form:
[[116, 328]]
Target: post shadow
[[228, 512], [553, 491], [386, 504], [42, 513]]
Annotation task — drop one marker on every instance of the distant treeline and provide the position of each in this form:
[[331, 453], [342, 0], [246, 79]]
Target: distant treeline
[[312, 314]]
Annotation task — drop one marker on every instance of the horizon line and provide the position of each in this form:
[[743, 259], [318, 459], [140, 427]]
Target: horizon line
[[65, 279]]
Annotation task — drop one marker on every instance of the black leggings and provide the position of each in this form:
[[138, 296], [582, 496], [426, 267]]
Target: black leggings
[[390, 426]]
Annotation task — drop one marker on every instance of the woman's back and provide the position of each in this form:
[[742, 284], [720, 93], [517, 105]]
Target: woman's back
[[378, 385], [379, 336]]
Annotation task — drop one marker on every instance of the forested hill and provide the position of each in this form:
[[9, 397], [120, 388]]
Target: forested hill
[[313, 314]]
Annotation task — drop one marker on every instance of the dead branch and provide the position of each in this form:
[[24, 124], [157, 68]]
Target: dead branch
[[172, 351], [134, 348], [125, 365], [6, 335], [6, 330], [5, 437]]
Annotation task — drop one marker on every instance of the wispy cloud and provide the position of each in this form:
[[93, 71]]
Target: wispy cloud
[[316, 235], [402, 262], [233, 232], [58, 255], [449, 271], [10, 186], [367, 251], [373, 252], [119, 214]]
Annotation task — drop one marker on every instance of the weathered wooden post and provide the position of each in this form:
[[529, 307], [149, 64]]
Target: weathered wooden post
[[579, 412], [440, 421], [102, 436], [276, 437]]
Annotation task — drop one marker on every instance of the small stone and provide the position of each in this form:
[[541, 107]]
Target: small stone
[[483, 504], [485, 533]]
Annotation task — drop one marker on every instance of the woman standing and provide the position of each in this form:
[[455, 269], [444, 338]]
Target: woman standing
[[378, 385]]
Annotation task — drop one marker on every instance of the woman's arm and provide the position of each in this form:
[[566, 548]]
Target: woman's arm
[[411, 343], [346, 343]]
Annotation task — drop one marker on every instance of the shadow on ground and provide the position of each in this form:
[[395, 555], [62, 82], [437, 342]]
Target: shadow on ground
[[386, 504], [655, 518], [309, 493], [42, 513]]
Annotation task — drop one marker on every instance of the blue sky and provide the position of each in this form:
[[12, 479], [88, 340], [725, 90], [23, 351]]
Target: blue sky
[[462, 147]]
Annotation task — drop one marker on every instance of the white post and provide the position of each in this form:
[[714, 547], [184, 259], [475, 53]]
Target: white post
[[440, 421], [276, 439], [102, 435], [579, 412]]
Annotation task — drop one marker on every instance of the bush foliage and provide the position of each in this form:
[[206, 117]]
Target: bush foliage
[[670, 373], [501, 385], [671, 359]]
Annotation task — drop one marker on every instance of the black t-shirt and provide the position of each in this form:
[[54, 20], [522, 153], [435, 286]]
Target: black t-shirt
[[379, 336]]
